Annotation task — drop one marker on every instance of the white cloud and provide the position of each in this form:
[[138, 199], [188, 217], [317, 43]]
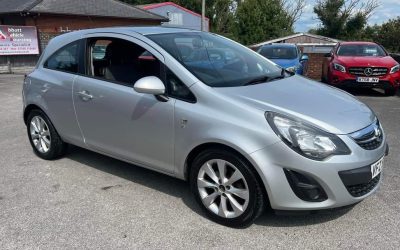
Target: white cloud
[[388, 9]]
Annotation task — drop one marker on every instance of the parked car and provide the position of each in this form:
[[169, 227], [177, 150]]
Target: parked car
[[243, 135], [361, 65], [287, 56]]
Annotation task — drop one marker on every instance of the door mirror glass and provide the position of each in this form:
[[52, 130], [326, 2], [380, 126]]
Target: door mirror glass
[[304, 58], [149, 85]]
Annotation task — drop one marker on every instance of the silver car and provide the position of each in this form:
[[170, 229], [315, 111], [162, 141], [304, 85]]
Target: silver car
[[242, 131]]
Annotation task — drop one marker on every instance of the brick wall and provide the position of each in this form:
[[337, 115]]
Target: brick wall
[[58, 23], [49, 26], [315, 66]]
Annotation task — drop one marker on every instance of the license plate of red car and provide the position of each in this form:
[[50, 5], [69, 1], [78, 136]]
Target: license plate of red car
[[368, 79]]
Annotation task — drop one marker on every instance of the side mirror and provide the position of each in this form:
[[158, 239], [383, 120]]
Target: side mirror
[[149, 85], [328, 55], [304, 58]]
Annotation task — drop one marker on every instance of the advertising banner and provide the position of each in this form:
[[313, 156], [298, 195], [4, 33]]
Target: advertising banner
[[18, 40]]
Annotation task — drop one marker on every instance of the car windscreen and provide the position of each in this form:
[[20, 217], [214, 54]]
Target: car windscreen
[[273, 52], [216, 61], [360, 50]]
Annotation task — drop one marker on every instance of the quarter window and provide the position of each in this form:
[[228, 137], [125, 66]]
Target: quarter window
[[65, 59], [177, 89]]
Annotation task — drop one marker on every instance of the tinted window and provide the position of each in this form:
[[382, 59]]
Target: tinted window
[[360, 50], [65, 59], [272, 52], [216, 61], [177, 89]]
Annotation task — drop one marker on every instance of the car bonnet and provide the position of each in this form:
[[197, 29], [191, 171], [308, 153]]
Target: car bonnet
[[326, 107]]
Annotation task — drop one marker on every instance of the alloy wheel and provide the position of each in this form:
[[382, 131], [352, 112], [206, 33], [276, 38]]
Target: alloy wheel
[[223, 188], [40, 134]]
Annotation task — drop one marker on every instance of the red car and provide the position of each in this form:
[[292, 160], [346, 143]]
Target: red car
[[361, 64]]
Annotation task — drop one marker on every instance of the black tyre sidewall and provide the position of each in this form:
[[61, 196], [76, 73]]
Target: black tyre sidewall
[[390, 91], [256, 202], [57, 146]]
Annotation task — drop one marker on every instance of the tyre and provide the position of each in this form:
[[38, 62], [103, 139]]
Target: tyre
[[44, 139], [227, 188], [390, 92]]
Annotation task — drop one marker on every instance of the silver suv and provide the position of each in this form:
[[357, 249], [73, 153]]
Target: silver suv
[[245, 133]]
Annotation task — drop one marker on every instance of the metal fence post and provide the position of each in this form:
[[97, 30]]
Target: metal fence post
[[9, 65]]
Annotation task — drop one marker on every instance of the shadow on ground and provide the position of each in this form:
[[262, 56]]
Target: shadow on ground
[[270, 219], [151, 179], [180, 189], [369, 92]]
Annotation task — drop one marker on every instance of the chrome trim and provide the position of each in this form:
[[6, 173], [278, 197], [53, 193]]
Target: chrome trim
[[368, 134]]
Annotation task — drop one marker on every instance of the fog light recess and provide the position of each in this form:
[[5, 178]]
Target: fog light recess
[[305, 187]]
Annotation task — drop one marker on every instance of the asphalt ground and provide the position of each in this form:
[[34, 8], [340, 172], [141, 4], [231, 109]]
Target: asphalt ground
[[89, 201]]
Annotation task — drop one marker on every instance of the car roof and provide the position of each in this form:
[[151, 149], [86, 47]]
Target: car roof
[[158, 30], [145, 30], [358, 43], [281, 45]]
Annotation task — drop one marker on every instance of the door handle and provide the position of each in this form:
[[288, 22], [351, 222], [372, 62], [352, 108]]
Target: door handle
[[85, 95]]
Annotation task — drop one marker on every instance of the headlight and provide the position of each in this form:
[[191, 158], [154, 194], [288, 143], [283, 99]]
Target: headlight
[[339, 67], [305, 139], [292, 69], [395, 69]]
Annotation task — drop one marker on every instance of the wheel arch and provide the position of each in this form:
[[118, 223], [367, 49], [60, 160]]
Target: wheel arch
[[29, 108], [216, 145]]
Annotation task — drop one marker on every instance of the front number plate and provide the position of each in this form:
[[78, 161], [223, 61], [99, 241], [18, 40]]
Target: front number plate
[[368, 79], [376, 168]]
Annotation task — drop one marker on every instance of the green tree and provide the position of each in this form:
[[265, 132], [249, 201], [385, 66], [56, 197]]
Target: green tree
[[248, 21], [214, 7], [343, 18], [387, 34], [260, 20]]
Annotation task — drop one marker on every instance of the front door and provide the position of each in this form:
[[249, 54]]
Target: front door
[[115, 119]]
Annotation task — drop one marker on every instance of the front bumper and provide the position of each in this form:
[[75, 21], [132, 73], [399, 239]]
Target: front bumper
[[388, 81], [272, 162]]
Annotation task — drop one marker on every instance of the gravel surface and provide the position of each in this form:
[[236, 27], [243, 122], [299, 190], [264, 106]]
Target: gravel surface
[[89, 201]]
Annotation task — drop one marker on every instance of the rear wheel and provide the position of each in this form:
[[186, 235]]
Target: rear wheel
[[45, 141], [226, 188]]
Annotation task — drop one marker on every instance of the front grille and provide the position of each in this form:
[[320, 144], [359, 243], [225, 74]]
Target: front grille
[[368, 71], [369, 138], [363, 189]]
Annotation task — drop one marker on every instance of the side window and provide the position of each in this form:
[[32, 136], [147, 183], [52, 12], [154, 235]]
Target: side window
[[120, 61], [65, 59], [177, 89]]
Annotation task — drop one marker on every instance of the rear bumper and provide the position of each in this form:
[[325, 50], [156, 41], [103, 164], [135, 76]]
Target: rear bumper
[[388, 81]]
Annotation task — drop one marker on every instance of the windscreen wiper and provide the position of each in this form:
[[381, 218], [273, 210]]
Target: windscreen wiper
[[263, 79], [257, 80], [281, 76]]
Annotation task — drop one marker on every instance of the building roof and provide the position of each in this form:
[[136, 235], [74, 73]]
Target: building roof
[[101, 8], [158, 5], [324, 39]]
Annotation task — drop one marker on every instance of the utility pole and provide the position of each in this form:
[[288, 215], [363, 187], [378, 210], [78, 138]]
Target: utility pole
[[203, 15]]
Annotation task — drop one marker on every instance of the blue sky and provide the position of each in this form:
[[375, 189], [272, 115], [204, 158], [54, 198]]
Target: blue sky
[[387, 9]]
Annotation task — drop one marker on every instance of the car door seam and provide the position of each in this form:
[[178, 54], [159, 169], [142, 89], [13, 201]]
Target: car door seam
[[73, 104]]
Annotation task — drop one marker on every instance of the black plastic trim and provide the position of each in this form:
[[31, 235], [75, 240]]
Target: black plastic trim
[[302, 185]]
